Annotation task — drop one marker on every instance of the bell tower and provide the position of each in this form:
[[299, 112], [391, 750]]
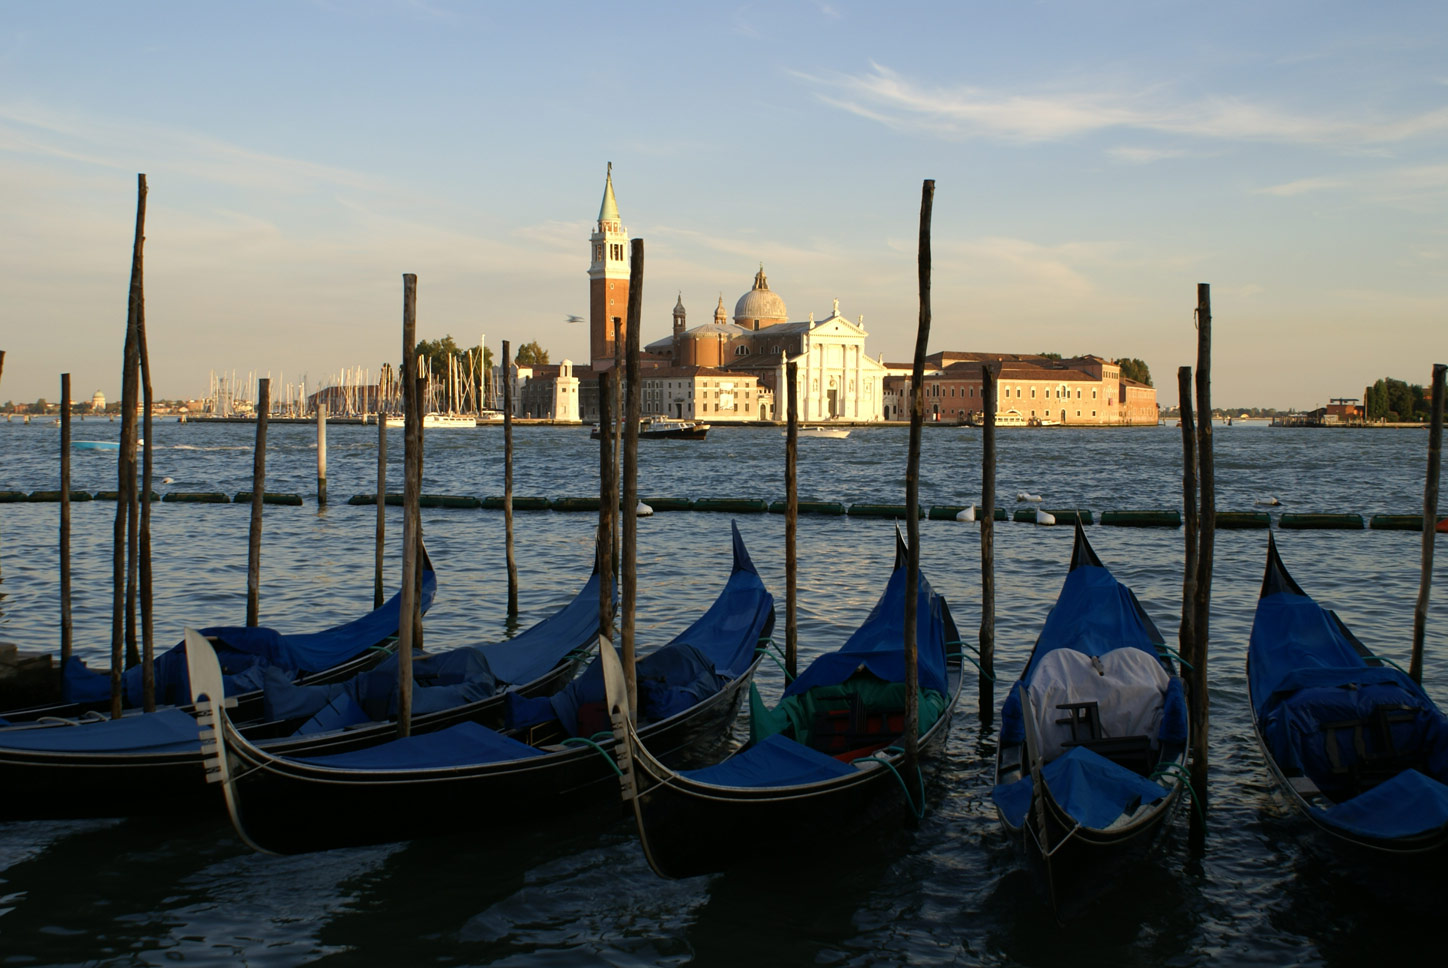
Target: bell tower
[[608, 273]]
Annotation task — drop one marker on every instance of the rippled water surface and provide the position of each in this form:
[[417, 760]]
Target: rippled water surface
[[946, 891]]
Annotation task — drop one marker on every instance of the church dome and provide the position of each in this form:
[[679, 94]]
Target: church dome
[[759, 307]]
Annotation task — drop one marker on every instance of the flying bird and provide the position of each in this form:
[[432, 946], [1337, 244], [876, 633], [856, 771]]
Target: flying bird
[[570, 318]]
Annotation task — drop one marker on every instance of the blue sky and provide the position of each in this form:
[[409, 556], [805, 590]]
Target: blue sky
[[1093, 163]]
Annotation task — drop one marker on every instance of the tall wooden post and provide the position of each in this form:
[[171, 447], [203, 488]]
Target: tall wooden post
[[66, 627], [1187, 635], [411, 492], [630, 502], [1208, 498], [1430, 522], [126, 461], [2, 362], [377, 597], [258, 490], [791, 526], [419, 440], [607, 501], [912, 482], [986, 688], [321, 453], [508, 479], [148, 625], [617, 385]]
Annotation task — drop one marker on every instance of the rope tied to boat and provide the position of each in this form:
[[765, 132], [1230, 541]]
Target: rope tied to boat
[[1166, 650], [978, 666], [919, 811], [1182, 775], [593, 743]]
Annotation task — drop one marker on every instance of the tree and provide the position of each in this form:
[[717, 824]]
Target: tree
[[531, 354], [1049, 356], [1134, 369], [1395, 400]]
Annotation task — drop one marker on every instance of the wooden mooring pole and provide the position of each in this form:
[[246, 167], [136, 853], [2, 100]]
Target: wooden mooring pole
[[791, 527], [1187, 635], [321, 453], [122, 598], [148, 624], [607, 504], [1430, 522], [632, 405], [2, 373], [258, 489], [508, 480], [986, 688], [377, 598], [66, 626], [411, 493], [1202, 612], [912, 485]]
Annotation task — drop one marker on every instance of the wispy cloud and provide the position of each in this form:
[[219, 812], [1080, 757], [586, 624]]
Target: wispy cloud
[[888, 97], [1144, 156], [1303, 186]]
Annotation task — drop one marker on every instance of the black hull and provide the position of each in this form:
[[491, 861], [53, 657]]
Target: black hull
[[80, 785], [284, 806], [689, 828]]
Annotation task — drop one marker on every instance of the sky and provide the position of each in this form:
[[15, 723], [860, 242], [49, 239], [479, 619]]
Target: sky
[[1093, 163]]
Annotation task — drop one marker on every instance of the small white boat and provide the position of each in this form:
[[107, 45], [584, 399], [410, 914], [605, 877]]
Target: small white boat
[[436, 421], [837, 433], [1009, 418]]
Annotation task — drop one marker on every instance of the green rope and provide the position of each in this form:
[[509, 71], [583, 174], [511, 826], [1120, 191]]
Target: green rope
[[1172, 652], [581, 741], [1180, 772], [780, 662], [919, 811], [974, 647], [978, 666]]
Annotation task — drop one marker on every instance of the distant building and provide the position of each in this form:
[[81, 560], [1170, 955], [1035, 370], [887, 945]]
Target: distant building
[[751, 352], [1085, 391], [546, 391], [98, 402]]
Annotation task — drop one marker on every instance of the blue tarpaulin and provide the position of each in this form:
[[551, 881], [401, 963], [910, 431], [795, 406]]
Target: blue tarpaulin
[[163, 731], [694, 665], [1408, 804], [1091, 789], [773, 761], [878, 644], [460, 745], [242, 650]]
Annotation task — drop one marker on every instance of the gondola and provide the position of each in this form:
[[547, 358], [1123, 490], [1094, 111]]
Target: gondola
[[150, 763], [550, 761], [1356, 745], [1094, 735], [246, 654], [823, 764]]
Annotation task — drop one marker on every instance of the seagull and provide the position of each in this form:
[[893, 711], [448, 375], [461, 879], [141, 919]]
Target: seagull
[[167, 480], [570, 318]]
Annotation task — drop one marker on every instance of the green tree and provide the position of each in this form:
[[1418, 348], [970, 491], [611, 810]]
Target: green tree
[[1394, 400], [1049, 356], [40, 406], [1134, 369], [531, 354]]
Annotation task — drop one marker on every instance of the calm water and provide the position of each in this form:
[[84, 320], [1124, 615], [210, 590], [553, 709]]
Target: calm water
[[948, 891]]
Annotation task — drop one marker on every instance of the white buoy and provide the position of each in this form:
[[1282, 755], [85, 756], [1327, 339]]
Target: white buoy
[[1045, 517], [967, 515], [166, 480], [1025, 496], [643, 510], [1269, 501]]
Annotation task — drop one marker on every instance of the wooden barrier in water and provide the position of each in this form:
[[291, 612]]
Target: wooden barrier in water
[[882, 511], [1066, 516], [808, 507], [732, 505], [1142, 519], [194, 497], [268, 497], [1320, 522], [52, 496]]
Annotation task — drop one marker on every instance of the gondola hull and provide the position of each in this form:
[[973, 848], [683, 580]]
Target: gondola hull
[[745, 823], [1356, 746], [288, 806], [58, 784]]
